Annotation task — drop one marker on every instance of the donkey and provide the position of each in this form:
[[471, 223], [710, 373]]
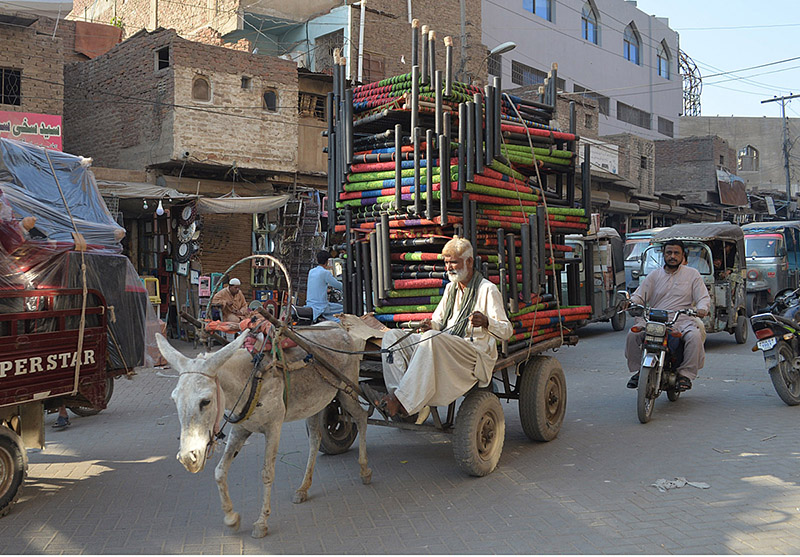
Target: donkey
[[213, 382]]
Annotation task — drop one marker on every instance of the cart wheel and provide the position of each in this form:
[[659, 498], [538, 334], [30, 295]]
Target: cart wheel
[[480, 430], [338, 431], [542, 398], [13, 467], [85, 410]]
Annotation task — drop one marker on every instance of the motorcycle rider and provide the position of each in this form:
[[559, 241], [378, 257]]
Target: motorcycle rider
[[673, 287]]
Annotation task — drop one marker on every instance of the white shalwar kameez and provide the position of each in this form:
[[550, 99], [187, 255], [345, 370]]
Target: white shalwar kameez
[[435, 368]]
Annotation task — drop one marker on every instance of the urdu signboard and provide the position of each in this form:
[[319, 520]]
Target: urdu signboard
[[44, 130], [603, 156]]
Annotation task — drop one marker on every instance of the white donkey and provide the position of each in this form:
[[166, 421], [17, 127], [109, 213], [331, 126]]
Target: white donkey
[[211, 382]]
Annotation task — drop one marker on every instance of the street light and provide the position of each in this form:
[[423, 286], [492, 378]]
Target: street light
[[507, 46], [502, 48]]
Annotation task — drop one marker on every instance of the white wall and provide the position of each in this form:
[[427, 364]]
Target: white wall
[[601, 68]]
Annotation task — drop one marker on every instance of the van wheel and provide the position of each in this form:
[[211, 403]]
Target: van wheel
[[740, 334], [13, 467]]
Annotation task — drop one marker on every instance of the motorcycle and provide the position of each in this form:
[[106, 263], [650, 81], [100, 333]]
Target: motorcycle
[[778, 337], [662, 353]]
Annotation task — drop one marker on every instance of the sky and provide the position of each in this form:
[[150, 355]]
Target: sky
[[731, 35]]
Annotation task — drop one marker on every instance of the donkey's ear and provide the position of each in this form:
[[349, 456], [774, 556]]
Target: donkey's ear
[[177, 360], [215, 360]]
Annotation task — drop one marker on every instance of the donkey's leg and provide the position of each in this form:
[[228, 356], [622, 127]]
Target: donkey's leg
[[235, 442], [359, 415], [314, 438], [273, 438]]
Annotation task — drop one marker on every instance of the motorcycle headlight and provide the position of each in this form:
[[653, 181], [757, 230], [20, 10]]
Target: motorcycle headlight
[[656, 329]]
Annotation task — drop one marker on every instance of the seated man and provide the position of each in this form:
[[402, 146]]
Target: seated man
[[234, 305], [319, 279], [458, 347], [724, 261], [674, 286]]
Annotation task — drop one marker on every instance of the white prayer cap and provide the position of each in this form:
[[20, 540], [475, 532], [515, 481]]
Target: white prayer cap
[[235, 282]]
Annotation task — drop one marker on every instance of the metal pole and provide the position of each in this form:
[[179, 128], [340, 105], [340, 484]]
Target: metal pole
[[366, 262], [414, 97], [783, 100], [414, 42], [469, 142], [498, 98], [478, 98], [387, 258], [428, 174], [462, 136], [398, 168], [424, 58], [448, 66], [417, 185]]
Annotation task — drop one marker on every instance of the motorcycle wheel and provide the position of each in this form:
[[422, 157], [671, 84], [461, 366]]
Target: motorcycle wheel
[[785, 378], [645, 395]]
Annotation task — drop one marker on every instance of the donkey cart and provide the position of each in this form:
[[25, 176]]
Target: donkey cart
[[478, 427]]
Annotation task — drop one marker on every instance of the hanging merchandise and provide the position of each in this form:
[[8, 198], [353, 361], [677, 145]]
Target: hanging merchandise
[[187, 214], [183, 269], [183, 252], [185, 232]]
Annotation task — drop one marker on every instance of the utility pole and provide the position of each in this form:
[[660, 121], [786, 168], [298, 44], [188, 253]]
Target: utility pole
[[783, 100]]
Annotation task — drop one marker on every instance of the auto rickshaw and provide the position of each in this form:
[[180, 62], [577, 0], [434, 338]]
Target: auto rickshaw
[[635, 244], [772, 252], [716, 250], [608, 275]]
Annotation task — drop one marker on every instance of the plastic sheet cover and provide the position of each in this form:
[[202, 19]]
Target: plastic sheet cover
[[42, 254]]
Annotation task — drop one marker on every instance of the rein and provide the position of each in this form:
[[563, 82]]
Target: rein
[[217, 432]]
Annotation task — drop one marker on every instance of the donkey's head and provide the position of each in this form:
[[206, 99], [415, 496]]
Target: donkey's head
[[199, 399]]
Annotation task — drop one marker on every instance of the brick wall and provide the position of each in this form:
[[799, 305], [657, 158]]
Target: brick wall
[[636, 160], [40, 58], [226, 239], [119, 108], [233, 127], [135, 15], [124, 114], [586, 113], [689, 165], [387, 34]]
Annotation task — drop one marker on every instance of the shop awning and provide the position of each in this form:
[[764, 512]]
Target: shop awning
[[622, 207], [228, 205], [139, 190]]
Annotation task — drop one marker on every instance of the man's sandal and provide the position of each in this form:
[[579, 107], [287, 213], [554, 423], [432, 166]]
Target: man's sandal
[[683, 384]]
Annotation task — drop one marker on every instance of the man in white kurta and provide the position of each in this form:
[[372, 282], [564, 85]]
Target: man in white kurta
[[436, 367], [673, 287]]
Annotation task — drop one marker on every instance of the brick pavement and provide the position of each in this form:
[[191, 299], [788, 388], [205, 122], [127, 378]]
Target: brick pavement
[[110, 483]]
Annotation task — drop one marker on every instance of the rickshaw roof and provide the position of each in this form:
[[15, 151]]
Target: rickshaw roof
[[605, 232], [703, 231], [770, 226], [644, 234]]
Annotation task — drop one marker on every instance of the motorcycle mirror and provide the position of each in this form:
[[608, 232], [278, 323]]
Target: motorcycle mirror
[[624, 293]]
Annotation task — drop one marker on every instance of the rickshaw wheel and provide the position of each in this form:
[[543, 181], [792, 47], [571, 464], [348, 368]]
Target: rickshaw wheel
[[480, 431], [86, 410], [13, 465], [338, 432], [618, 321], [542, 398], [740, 333]]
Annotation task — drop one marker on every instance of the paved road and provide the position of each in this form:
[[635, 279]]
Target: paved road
[[111, 484]]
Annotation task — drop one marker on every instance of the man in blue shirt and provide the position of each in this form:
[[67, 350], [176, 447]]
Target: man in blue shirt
[[319, 279]]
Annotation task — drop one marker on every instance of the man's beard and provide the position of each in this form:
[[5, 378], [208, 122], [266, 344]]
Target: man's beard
[[457, 276], [671, 267]]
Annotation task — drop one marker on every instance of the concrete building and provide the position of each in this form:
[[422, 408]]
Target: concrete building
[[758, 143], [607, 50]]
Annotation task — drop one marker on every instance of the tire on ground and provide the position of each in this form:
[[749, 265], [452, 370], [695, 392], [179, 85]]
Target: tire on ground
[[480, 431], [13, 467], [338, 430], [542, 398]]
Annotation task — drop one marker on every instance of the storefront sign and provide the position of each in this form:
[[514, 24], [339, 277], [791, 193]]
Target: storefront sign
[[44, 130], [603, 156]]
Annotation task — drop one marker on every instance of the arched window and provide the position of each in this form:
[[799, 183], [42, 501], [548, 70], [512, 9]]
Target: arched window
[[589, 23], [201, 89], [747, 159], [663, 60], [270, 101], [631, 44]]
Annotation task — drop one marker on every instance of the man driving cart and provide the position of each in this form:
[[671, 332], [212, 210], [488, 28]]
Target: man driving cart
[[457, 347]]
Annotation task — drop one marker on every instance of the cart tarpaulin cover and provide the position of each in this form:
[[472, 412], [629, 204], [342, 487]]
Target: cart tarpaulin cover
[[44, 256]]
